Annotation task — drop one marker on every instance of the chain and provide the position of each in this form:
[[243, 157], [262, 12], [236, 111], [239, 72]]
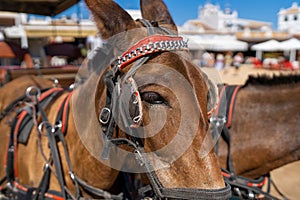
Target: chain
[[164, 45]]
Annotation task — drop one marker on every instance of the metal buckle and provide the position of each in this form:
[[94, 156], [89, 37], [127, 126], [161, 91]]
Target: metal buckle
[[139, 157], [104, 115], [218, 121]]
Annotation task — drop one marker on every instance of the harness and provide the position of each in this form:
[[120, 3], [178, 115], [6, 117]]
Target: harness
[[21, 127], [242, 187]]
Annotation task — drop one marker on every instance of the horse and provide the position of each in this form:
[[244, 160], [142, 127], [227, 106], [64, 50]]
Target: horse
[[263, 127], [143, 108]]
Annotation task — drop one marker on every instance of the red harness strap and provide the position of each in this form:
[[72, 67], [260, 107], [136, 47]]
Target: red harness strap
[[232, 104], [20, 117], [49, 92], [259, 183], [230, 93], [63, 111], [25, 189]]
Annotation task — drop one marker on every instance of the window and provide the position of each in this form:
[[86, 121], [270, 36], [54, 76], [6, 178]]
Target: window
[[295, 18], [286, 18]]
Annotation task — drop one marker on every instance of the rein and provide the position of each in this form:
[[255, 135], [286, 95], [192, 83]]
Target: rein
[[139, 54]]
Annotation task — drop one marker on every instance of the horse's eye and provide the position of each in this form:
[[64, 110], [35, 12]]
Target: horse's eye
[[153, 98]]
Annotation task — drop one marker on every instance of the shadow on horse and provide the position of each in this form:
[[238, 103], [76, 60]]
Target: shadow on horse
[[142, 112]]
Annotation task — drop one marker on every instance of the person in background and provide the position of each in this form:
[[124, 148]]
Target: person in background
[[228, 59], [211, 61], [238, 59], [205, 59], [219, 65]]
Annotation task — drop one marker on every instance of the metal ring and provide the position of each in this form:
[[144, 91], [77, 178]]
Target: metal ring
[[137, 119], [55, 82], [30, 92], [72, 175], [44, 123]]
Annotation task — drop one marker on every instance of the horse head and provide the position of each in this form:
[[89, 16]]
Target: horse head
[[148, 107]]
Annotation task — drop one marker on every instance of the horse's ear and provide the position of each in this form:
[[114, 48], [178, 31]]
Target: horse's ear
[[110, 18], [156, 10]]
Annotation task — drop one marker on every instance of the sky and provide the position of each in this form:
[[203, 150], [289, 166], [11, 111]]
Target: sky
[[183, 10]]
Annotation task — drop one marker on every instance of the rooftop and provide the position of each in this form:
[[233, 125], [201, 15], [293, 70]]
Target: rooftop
[[294, 9]]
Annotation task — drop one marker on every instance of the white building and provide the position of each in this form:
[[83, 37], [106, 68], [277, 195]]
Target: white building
[[289, 19], [11, 24], [211, 17]]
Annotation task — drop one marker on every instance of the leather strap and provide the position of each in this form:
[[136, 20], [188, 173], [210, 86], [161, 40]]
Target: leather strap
[[54, 152]]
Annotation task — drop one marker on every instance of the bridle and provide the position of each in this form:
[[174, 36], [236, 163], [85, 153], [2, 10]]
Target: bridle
[[137, 55]]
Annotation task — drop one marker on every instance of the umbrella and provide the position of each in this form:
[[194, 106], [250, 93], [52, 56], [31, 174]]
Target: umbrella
[[41, 7], [270, 45], [12, 50], [6, 51], [226, 45], [291, 45]]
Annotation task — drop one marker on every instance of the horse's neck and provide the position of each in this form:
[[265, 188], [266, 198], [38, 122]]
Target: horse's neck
[[265, 128], [17, 88]]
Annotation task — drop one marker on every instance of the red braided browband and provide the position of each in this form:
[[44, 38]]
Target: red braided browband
[[150, 44]]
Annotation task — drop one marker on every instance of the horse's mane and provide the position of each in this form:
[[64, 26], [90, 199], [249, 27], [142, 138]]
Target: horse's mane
[[270, 80]]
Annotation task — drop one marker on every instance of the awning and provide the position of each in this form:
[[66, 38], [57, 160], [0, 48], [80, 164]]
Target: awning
[[41, 7], [215, 43]]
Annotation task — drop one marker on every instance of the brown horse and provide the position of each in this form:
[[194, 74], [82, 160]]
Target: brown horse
[[143, 112], [264, 126]]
